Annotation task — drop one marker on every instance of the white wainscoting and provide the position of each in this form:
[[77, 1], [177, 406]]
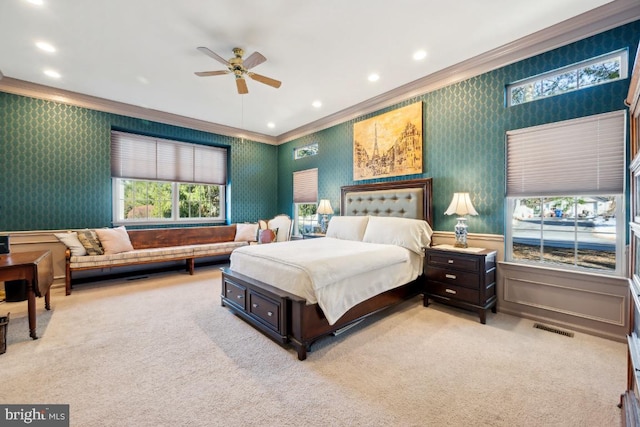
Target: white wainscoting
[[581, 302], [589, 303]]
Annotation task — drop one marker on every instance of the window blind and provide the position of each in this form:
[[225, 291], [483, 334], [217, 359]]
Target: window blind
[[572, 157], [140, 157], [305, 186]]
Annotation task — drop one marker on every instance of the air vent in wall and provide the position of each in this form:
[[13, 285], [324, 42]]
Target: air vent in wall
[[552, 329]]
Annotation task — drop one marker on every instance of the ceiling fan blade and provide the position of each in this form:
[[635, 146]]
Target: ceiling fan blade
[[242, 86], [253, 60], [266, 80], [214, 55], [211, 73]]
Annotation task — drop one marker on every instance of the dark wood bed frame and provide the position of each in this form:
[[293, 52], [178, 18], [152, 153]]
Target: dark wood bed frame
[[287, 318]]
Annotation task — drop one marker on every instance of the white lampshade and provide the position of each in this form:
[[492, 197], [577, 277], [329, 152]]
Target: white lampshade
[[324, 208], [461, 205]]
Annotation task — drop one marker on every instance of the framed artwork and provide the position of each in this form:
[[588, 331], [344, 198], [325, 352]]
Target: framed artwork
[[389, 144]]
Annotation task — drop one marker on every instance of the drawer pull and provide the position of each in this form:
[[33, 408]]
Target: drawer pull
[[450, 261], [239, 296], [269, 313], [450, 291], [450, 276], [255, 305], [229, 291]]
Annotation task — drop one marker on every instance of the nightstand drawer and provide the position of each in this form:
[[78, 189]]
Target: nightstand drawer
[[453, 261], [266, 310], [454, 277], [457, 293]]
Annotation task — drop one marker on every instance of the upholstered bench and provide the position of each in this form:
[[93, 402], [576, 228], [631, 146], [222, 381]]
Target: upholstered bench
[[117, 247]]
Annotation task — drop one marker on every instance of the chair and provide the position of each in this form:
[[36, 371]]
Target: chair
[[282, 223]]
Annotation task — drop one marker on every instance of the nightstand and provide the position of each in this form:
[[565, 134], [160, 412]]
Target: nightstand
[[465, 278], [313, 235]]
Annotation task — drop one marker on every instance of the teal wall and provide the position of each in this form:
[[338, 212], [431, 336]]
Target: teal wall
[[464, 132], [55, 171]]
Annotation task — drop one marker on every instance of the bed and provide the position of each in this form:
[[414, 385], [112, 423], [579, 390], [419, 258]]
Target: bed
[[300, 291]]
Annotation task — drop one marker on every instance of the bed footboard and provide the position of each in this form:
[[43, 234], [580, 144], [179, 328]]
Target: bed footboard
[[265, 307], [288, 319]]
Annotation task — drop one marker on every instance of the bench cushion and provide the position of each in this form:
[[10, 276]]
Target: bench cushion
[[153, 254], [210, 249]]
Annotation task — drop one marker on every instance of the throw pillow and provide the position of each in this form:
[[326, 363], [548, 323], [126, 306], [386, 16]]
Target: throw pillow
[[89, 240], [114, 240], [267, 236], [246, 232], [70, 240]]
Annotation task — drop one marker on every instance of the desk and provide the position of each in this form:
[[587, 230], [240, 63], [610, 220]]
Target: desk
[[37, 269]]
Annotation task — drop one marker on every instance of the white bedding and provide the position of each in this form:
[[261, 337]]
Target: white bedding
[[337, 274]]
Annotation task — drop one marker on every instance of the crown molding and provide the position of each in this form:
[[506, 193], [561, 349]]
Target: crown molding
[[606, 17], [603, 18], [33, 90]]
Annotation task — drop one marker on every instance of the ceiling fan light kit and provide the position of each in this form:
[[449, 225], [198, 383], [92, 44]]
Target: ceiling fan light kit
[[239, 67]]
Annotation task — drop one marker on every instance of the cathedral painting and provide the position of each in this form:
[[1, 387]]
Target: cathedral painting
[[389, 144]]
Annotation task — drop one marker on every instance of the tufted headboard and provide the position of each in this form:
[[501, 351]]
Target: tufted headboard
[[409, 199]]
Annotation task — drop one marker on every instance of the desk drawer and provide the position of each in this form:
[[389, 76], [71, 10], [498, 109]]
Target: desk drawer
[[454, 277], [457, 293], [268, 311]]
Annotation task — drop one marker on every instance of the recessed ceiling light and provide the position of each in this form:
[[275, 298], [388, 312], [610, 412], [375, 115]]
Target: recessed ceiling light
[[317, 104], [46, 46], [271, 125], [143, 80], [373, 77], [52, 73], [419, 55]]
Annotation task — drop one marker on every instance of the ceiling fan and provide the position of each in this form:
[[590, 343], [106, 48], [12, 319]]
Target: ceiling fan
[[239, 67]]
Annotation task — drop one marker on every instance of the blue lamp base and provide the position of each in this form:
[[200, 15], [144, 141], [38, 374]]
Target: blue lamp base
[[324, 224], [461, 233]]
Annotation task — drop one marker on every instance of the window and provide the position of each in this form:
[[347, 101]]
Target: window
[[305, 199], [565, 194], [158, 181], [603, 69], [306, 151]]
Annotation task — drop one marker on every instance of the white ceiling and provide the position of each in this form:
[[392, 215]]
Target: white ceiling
[[143, 52]]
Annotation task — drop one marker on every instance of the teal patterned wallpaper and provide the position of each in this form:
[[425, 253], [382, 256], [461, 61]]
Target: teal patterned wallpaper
[[55, 171], [464, 132]]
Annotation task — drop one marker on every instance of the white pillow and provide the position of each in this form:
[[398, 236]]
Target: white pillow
[[412, 234], [347, 227], [114, 240], [246, 232], [71, 241]]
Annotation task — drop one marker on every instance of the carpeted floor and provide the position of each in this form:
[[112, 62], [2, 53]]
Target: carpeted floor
[[161, 351]]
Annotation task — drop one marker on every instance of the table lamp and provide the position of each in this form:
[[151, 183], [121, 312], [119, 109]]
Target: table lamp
[[324, 209], [461, 205]]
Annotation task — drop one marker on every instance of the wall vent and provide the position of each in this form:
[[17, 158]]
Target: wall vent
[[552, 329]]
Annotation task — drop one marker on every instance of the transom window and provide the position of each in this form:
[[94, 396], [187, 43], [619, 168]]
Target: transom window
[[158, 181], [602, 69], [306, 151]]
